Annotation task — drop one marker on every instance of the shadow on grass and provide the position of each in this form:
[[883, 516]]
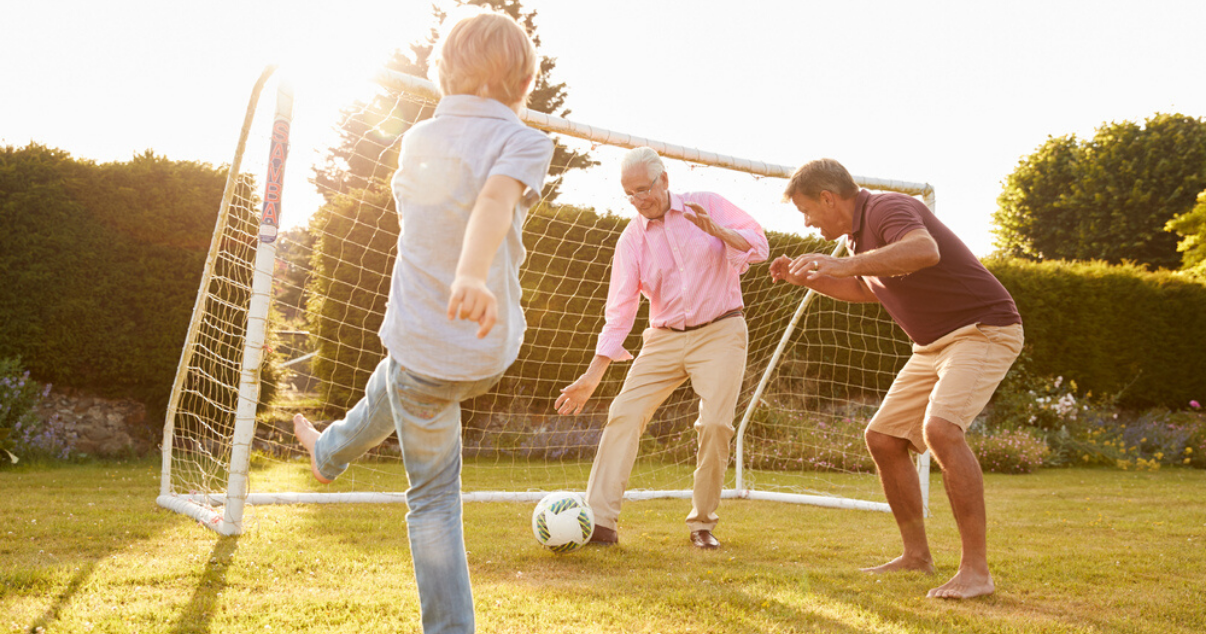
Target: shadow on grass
[[58, 521], [197, 616], [52, 613]]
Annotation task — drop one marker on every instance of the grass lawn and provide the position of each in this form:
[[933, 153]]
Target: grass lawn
[[85, 549]]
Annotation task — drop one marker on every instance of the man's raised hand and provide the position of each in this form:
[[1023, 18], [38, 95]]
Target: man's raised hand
[[701, 219]]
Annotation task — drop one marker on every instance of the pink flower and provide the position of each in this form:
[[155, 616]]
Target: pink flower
[[1195, 405]]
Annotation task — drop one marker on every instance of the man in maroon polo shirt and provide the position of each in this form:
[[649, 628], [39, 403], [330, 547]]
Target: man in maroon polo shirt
[[966, 334]]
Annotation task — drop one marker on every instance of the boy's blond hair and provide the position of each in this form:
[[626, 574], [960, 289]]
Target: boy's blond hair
[[484, 54], [821, 175]]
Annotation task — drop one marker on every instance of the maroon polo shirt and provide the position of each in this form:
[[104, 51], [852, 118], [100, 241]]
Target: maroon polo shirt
[[936, 300]]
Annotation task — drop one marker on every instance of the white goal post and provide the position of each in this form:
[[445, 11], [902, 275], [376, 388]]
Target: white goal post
[[287, 322]]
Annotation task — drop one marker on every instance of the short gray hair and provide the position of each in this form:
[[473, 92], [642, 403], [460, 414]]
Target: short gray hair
[[643, 156]]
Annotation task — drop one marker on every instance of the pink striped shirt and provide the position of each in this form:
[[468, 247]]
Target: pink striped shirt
[[689, 276]]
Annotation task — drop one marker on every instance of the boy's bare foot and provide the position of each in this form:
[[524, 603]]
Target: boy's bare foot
[[901, 563], [307, 436], [964, 585]]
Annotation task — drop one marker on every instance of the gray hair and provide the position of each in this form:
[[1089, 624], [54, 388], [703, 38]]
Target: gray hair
[[643, 156]]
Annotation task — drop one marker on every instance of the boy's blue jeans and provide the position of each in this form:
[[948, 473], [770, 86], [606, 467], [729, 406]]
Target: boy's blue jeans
[[426, 413]]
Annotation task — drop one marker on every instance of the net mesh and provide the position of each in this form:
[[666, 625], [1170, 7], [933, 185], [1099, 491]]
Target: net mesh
[[329, 294]]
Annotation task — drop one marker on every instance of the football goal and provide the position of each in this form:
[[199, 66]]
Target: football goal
[[287, 312]]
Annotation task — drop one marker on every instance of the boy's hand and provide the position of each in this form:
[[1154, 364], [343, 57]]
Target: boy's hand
[[473, 301]]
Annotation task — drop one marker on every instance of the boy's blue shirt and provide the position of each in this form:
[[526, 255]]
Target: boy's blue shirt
[[443, 165]]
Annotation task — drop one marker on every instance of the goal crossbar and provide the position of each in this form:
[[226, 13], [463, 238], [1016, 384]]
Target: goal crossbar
[[552, 123]]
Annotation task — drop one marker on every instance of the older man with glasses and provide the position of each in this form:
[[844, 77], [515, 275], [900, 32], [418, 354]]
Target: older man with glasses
[[685, 253]]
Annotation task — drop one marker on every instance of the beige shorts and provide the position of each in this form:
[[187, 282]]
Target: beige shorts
[[952, 378]]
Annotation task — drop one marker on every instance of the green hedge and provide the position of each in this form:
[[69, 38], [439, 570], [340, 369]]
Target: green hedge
[[1115, 330], [99, 266]]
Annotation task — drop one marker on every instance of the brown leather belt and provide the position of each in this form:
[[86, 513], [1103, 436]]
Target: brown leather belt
[[732, 313]]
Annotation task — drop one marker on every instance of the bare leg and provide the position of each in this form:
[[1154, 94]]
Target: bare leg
[[307, 436], [903, 490], [964, 482]]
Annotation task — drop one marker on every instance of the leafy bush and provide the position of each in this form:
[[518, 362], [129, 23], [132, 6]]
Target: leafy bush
[[1026, 400], [18, 395], [22, 433], [1009, 450], [1088, 430], [1141, 441]]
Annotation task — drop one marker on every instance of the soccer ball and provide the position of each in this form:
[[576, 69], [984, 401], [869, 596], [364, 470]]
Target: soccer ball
[[563, 522]]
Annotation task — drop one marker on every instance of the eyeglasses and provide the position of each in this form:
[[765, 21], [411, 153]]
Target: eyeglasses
[[643, 192]]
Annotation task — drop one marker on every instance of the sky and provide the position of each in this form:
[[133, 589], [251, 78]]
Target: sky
[[952, 94]]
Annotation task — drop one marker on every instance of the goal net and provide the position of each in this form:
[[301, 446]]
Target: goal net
[[289, 326]]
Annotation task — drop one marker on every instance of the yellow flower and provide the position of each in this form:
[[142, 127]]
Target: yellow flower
[[1086, 457], [1186, 461], [1189, 450], [1159, 455]]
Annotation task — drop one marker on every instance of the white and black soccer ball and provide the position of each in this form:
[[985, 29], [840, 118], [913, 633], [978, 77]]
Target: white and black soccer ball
[[562, 522]]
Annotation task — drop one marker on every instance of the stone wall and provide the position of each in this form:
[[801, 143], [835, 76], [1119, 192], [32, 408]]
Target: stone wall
[[95, 426]]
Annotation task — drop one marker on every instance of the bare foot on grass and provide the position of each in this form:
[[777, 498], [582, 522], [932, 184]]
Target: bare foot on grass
[[307, 436], [964, 585], [901, 563]]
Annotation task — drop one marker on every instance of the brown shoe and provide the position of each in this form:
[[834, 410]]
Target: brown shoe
[[704, 539], [604, 536]]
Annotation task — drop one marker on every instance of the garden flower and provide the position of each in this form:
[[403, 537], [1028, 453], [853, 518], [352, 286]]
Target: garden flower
[[1195, 405]]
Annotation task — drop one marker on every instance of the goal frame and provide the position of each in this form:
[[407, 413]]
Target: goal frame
[[203, 506]]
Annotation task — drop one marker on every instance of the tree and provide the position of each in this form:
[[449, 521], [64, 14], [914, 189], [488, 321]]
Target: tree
[[1191, 226], [367, 152], [1109, 198], [1026, 228], [294, 250]]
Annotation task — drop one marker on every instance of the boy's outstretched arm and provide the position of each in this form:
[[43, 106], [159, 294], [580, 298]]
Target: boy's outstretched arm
[[488, 225]]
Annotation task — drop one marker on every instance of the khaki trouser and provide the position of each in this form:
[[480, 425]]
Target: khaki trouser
[[952, 378], [713, 357]]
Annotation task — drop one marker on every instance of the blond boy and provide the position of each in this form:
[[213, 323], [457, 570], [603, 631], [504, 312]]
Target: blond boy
[[465, 180]]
